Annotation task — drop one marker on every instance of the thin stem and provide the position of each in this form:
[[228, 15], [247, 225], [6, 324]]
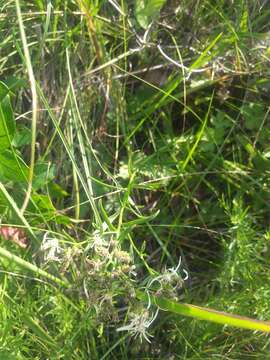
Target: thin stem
[[34, 105]]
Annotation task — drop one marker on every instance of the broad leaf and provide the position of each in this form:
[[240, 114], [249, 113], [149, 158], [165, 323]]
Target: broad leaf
[[253, 114], [44, 204], [43, 175], [12, 168], [147, 10], [22, 137]]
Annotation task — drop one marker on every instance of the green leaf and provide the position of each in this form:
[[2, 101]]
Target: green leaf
[[40, 5], [12, 204], [43, 175], [220, 121], [147, 10], [5, 354], [4, 204], [12, 167], [4, 91], [260, 162], [7, 121], [244, 21], [26, 265], [62, 219], [205, 56], [22, 137], [13, 83], [253, 114], [37, 329], [44, 203], [202, 313], [56, 191]]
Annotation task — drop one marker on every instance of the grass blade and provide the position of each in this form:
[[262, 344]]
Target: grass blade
[[202, 313], [33, 268]]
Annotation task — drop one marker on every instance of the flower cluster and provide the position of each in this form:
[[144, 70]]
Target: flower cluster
[[171, 278], [141, 321]]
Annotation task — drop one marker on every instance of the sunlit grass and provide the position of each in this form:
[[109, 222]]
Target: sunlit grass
[[148, 208]]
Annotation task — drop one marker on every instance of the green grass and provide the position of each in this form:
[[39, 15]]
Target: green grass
[[141, 179]]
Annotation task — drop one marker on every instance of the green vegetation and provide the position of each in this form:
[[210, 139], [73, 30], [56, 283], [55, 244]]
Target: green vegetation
[[134, 179]]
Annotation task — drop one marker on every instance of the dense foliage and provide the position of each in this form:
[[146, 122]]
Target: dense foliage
[[142, 168]]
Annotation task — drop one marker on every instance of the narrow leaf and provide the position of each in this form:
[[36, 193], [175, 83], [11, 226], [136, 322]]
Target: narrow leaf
[[38, 330], [28, 266], [7, 121], [202, 313]]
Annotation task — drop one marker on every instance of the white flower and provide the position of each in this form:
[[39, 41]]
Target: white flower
[[139, 324], [100, 244], [51, 248], [170, 276]]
